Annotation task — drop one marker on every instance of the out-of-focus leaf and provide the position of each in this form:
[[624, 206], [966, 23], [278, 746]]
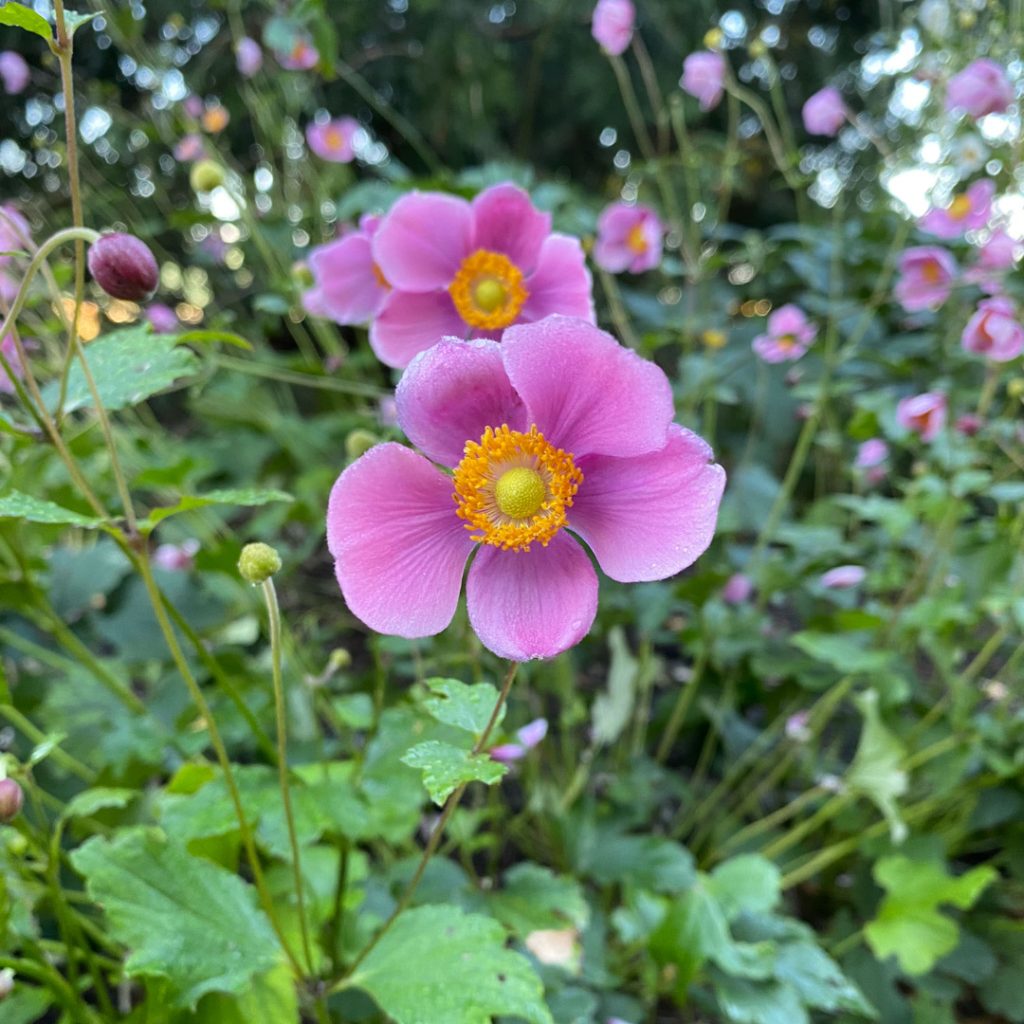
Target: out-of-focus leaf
[[15, 505], [20, 16], [875, 771], [613, 708]]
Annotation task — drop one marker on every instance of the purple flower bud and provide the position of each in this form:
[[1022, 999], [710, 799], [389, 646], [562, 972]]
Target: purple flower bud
[[124, 267], [11, 799]]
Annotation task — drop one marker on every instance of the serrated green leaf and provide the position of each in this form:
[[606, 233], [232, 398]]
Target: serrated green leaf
[[746, 883], [129, 366], [15, 505], [270, 1000], [439, 964], [446, 767], [86, 804], [875, 771], [653, 862], [243, 496], [24, 17], [466, 707], [908, 923], [184, 919], [75, 21], [846, 654], [744, 1001], [818, 980], [533, 897]]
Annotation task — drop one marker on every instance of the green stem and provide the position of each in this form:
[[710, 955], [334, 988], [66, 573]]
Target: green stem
[[687, 695], [37, 736]]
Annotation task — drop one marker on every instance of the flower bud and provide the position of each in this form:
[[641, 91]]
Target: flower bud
[[714, 38], [358, 442], [124, 267], [206, 175], [6, 983], [258, 562], [11, 799]]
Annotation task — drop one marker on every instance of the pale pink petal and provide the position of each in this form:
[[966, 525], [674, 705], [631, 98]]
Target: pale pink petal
[[451, 392], [411, 322], [561, 283], [532, 604], [399, 549], [649, 516], [421, 243], [348, 291], [507, 222], [585, 392]]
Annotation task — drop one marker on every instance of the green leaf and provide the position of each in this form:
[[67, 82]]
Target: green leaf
[[652, 862], [24, 17], [612, 710], [184, 919], [26, 1005], [211, 338], [534, 898], [75, 21], [446, 767], [758, 1002], [129, 366], [270, 1000], [438, 964], [846, 654], [819, 981], [875, 771], [465, 707], [908, 923], [244, 496], [15, 505], [746, 883], [86, 804]]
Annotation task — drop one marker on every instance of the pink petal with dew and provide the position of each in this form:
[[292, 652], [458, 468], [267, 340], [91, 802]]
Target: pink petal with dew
[[507, 222], [649, 516], [399, 549], [348, 290], [532, 604], [423, 240], [585, 392], [451, 393], [561, 283], [410, 322]]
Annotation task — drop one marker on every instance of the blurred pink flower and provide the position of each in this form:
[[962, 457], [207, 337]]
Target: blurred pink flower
[[248, 56], [824, 113], [193, 105], [994, 331], [10, 353], [15, 234], [513, 421], [969, 424], [189, 148], [704, 77], [529, 736], [348, 286], [789, 335], [301, 57], [387, 412], [923, 414], [333, 140], [843, 577], [162, 318], [997, 255], [14, 72], [738, 588], [628, 238], [981, 88], [871, 453], [796, 725], [612, 24], [471, 269], [968, 211], [926, 277], [176, 557]]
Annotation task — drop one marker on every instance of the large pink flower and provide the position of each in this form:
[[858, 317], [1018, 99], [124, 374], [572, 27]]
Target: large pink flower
[[824, 112], [348, 286], [968, 211], [981, 88], [612, 24], [333, 140], [994, 331], [790, 334], [628, 238], [557, 429], [996, 256], [923, 414], [471, 270], [926, 277], [704, 77]]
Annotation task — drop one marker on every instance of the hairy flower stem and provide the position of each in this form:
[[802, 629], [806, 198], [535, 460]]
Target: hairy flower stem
[[274, 617], [438, 832]]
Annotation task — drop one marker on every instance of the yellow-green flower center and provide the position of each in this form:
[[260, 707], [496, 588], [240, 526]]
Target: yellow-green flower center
[[520, 492]]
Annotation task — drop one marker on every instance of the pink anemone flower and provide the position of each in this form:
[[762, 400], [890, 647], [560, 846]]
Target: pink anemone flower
[[923, 414], [559, 430], [738, 589], [612, 25], [996, 256], [704, 78], [790, 334], [162, 318], [528, 737], [843, 577], [968, 211], [628, 238], [189, 148], [332, 140], [825, 112], [926, 277], [14, 72], [994, 331], [871, 453], [348, 286], [302, 56], [981, 88], [248, 57], [465, 269]]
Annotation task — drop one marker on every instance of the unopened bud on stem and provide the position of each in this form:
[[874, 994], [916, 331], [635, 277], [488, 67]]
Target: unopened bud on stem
[[258, 562], [124, 267]]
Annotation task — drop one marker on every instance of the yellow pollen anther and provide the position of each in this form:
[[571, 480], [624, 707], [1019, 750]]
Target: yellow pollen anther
[[959, 208], [514, 488], [379, 277], [488, 290], [636, 240], [334, 138], [931, 273]]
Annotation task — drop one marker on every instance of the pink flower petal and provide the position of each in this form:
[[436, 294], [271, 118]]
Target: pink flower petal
[[585, 392], [507, 222], [451, 393], [561, 283], [348, 291], [532, 604], [399, 549], [421, 243], [650, 516], [411, 322]]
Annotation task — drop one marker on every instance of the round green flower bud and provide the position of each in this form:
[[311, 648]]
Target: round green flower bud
[[358, 442], [258, 562], [206, 175]]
